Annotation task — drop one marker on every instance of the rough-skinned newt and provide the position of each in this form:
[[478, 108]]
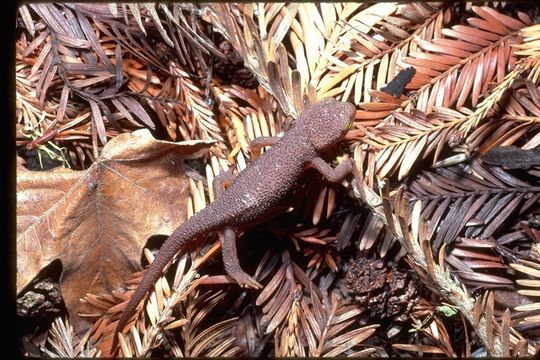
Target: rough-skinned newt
[[255, 191]]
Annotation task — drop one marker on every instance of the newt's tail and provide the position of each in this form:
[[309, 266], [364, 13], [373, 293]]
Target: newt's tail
[[195, 226]]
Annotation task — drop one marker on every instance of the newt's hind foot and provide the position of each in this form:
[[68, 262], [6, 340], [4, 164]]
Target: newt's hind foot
[[231, 262], [244, 280]]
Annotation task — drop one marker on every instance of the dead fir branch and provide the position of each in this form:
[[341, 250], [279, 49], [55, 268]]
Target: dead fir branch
[[475, 204], [305, 322], [63, 342], [422, 136], [324, 66], [116, 73], [217, 340], [518, 122], [529, 283], [411, 230], [439, 340], [456, 74]]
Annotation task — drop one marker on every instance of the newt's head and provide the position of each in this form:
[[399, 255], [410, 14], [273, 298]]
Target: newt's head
[[326, 122]]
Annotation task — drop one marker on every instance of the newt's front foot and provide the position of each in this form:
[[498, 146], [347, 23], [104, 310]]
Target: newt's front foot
[[244, 280]]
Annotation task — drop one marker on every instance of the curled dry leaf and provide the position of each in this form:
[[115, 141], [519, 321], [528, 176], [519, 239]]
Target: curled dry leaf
[[97, 221]]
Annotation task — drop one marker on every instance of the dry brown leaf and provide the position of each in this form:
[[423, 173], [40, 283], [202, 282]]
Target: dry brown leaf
[[97, 221]]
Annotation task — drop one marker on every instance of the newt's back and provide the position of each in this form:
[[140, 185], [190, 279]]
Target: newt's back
[[265, 182], [269, 178]]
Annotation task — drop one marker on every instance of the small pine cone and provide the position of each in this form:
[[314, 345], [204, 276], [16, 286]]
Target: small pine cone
[[386, 291]]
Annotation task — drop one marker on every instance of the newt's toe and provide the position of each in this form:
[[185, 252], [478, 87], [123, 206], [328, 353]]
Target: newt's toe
[[254, 284], [246, 281]]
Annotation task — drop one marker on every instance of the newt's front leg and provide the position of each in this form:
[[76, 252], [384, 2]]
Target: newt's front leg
[[256, 145], [332, 174], [231, 262], [222, 182]]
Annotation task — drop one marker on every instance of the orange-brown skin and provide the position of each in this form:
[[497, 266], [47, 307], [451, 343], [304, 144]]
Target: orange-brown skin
[[255, 191]]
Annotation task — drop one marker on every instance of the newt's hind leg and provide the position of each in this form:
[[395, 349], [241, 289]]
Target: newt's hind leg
[[231, 262], [256, 145]]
